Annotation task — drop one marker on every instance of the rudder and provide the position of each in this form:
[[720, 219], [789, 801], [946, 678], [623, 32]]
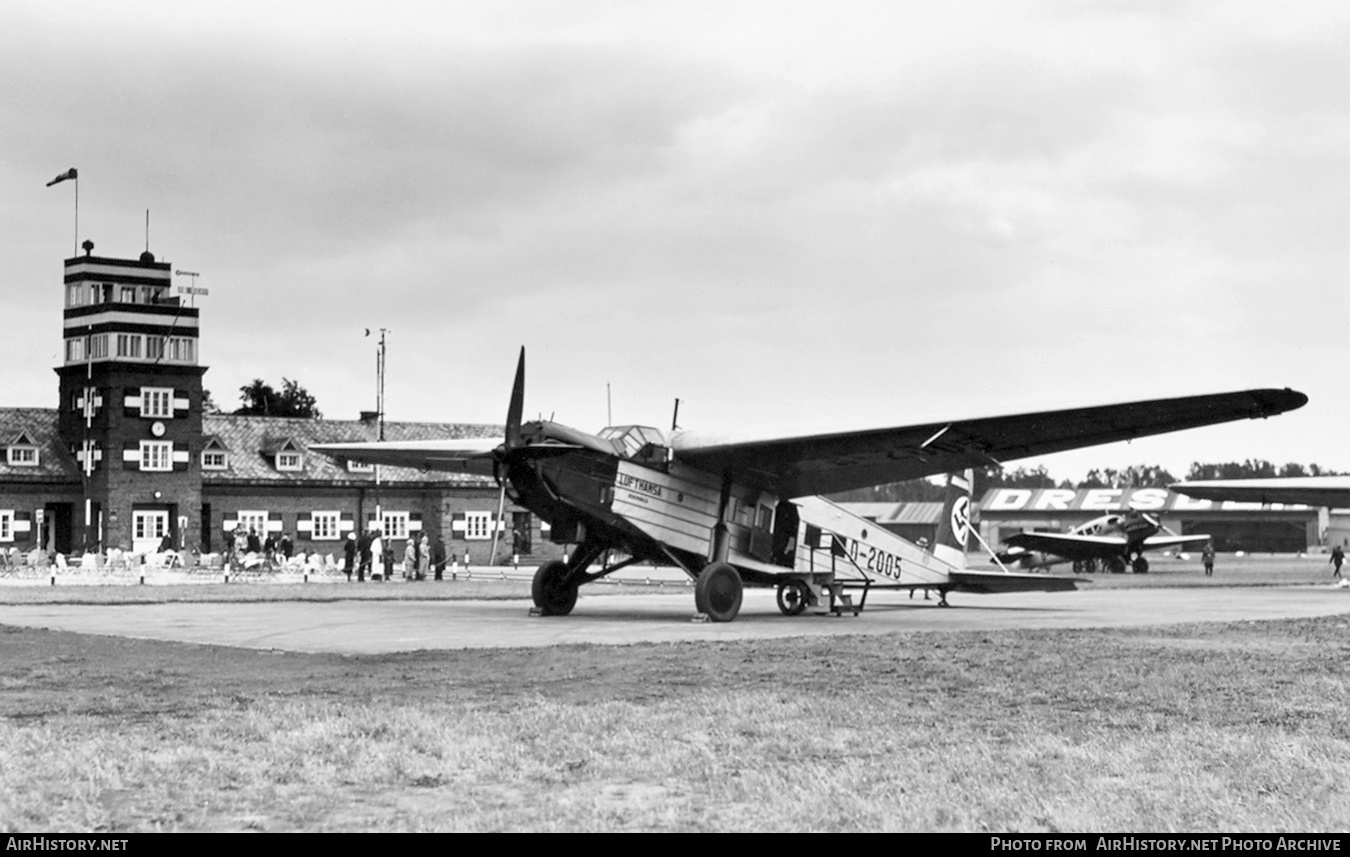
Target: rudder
[[954, 525]]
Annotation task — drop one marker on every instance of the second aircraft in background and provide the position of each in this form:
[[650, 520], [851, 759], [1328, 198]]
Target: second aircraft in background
[[1116, 541]]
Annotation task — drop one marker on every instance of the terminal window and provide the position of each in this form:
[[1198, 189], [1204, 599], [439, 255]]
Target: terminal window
[[156, 455]]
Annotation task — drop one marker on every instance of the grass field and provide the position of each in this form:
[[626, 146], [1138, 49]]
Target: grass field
[[1237, 727]]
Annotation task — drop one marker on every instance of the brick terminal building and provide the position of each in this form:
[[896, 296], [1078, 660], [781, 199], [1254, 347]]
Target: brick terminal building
[[128, 455]]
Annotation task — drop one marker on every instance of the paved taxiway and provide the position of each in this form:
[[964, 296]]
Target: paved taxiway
[[374, 627]]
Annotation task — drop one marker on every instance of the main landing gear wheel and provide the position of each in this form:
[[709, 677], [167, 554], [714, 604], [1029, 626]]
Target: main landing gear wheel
[[1140, 566], [1116, 565], [793, 597], [553, 593], [718, 591]]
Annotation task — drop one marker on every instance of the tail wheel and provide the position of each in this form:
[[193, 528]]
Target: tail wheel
[[718, 592], [793, 596], [553, 593]]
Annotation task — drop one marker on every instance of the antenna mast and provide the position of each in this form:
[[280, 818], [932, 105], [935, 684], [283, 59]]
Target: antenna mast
[[379, 381]]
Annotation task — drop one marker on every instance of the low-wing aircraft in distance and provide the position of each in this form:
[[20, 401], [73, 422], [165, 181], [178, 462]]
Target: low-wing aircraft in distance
[[1333, 491], [1115, 540], [736, 512]]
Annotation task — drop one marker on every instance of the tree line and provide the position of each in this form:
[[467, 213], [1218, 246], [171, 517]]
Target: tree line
[[260, 399]]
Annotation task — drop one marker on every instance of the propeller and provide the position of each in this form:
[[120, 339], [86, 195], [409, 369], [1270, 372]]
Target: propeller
[[1168, 530], [514, 440], [515, 410]]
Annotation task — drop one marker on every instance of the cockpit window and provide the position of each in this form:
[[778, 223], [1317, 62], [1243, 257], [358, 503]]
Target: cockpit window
[[640, 443]]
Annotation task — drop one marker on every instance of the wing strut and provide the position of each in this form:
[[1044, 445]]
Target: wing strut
[[940, 432], [992, 555]]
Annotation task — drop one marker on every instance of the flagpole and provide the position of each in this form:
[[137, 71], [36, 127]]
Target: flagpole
[[74, 175]]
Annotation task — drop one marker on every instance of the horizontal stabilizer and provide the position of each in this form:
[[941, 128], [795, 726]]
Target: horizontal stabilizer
[[990, 582]]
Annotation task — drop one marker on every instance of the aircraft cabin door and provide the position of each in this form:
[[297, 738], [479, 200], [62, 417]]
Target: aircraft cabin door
[[761, 533]]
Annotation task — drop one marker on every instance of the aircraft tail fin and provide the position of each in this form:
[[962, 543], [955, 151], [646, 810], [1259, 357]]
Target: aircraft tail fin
[[954, 526]]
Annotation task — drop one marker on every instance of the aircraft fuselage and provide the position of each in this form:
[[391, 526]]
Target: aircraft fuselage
[[659, 511]]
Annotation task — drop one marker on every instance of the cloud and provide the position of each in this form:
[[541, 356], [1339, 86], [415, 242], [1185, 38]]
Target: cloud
[[776, 211]]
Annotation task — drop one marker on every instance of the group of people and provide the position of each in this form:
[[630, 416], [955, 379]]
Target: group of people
[[246, 547], [373, 555]]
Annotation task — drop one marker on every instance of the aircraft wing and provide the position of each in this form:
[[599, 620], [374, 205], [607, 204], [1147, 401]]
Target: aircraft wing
[[1331, 491], [460, 455], [989, 582], [1160, 542], [1069, 545], [828, 463]]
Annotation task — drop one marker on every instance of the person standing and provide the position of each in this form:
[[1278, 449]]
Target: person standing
[[410, 560], [1207, 556], [438, 557], [363, 557], [349, 555], [1337, 557], [423, 557], [378, 569]]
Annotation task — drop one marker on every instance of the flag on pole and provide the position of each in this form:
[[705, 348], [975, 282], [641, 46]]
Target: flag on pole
[[68, 174]]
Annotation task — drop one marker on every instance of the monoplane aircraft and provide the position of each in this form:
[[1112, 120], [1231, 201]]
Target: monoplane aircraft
[[737, 512], [1115, 540]]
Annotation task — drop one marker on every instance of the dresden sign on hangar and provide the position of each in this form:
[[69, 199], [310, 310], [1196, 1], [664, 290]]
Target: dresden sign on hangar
[[1108, 500]]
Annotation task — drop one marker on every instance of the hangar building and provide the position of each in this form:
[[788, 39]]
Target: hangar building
[[1233, 526]]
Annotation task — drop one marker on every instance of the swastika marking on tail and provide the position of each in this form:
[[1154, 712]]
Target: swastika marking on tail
[[960, 519]]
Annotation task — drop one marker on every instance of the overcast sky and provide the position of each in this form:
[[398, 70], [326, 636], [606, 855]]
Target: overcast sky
[[791, 216]]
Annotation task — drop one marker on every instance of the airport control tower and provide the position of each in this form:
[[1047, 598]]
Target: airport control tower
[[130, 405]]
